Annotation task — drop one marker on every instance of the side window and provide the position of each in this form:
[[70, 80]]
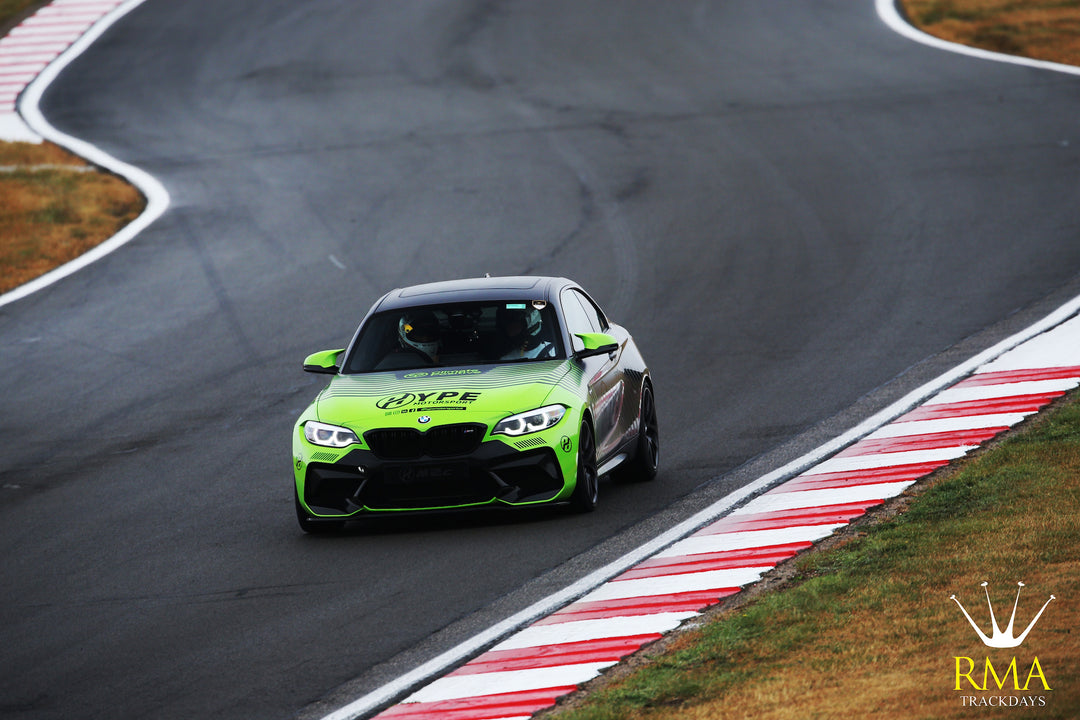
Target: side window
[[577, 319], [582, 316], [596, 317]]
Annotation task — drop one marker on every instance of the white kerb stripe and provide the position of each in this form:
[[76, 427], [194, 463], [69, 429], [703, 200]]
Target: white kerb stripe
[[85, 3], [10, 43], [67, 20], [800, 499], [883, 460], [599, 629], [991, 392], [466, 686], [20, 69], [944, 425], [11, 56], [72, 30], [747, 539], [669, 584], [12, 128], [1058, 348], [51, 13]]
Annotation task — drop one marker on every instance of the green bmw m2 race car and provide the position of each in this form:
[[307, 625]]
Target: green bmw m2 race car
[[492, 392]]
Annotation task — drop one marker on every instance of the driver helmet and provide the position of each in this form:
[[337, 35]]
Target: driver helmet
[[420, 331], [529, 321]]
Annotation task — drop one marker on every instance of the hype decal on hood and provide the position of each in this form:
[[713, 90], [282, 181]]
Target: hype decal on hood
[[424, 401]]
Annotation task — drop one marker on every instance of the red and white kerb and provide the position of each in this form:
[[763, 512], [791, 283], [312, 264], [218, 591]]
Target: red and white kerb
[[36, 42]]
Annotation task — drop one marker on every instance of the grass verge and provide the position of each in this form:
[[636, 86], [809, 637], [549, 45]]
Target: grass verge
[[866, 627], [1040, 29], [53, 208], [13, 12]]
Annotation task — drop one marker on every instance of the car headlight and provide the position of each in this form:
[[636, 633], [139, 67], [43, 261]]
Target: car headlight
[[530, 422], [334, 436]]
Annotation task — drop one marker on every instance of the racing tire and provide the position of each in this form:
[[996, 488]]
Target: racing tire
[[312, 526], [587, 491], [643, 465]]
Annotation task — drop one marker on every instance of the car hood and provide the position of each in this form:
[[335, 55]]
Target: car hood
[[445, 394]]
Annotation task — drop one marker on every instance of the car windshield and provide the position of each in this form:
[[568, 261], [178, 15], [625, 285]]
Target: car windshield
[[472, 333]]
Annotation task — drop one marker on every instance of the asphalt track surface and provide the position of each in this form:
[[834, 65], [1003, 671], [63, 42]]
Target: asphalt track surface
[[798, 213]]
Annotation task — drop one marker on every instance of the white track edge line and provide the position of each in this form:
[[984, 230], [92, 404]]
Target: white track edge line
[[157, 197]]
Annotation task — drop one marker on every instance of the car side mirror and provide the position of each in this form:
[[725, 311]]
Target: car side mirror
[[596, 344], [324, 363]]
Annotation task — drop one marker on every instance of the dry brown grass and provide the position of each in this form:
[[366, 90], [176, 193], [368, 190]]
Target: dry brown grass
[[28, 155], [53, 208], [1041, 29], [12, 12], [900, 662]]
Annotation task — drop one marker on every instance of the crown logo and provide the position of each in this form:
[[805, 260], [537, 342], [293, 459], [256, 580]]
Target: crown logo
[[1002, 639]]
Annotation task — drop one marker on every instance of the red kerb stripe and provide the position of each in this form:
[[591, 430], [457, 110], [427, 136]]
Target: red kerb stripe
[[928, 441], [849, 478], [586, 651], [481, 707], [1014, 376], [690, 601], [1013, 404], [754, 557], [824, 515]]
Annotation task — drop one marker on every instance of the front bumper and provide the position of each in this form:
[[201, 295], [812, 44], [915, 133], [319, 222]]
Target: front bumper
[[491, 473]]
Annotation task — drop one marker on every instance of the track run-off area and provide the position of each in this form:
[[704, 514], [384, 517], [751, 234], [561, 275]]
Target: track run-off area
[[825, 237]]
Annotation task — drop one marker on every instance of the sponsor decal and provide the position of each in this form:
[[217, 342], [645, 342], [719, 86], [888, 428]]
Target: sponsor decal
[[426, 408], [426, 401], [1019, 681], [395, 401], [440, 373], [566, 443]]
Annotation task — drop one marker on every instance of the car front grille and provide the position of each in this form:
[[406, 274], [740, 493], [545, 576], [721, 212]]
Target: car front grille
[[491, 472], [410, 444]]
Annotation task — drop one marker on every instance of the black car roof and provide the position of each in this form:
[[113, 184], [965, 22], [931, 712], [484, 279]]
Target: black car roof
[[516, 287]]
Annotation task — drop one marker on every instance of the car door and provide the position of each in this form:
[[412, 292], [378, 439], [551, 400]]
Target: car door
[[606, 384]]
